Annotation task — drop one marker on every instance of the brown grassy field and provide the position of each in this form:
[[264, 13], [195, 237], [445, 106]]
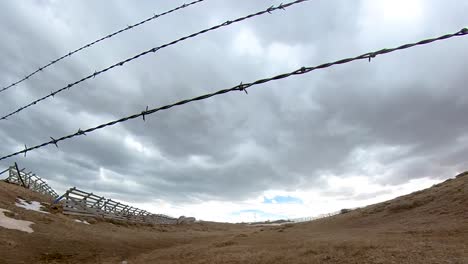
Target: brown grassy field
[[429, 226]]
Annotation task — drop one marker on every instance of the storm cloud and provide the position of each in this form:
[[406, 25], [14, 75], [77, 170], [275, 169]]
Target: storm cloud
[[392, 121]]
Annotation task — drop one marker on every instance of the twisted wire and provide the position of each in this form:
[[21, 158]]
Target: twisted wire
[[97, 41], [241, 87], [153, 50]]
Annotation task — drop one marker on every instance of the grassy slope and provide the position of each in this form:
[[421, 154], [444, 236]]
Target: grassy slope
[[429, 226]]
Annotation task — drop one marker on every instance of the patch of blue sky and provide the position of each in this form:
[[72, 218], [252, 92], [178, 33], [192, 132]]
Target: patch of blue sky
[[282, 200]]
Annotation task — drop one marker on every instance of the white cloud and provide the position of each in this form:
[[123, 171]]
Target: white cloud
[[246, 43], [315, 202]]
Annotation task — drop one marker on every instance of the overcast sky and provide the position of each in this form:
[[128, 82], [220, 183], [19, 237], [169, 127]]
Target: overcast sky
[[336, 138]]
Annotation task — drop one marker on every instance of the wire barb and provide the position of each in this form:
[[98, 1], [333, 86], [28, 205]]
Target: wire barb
[[302, 70], [80, 132], [54, 141], [271, 8], [99, 40], [243, 86], [143, 113]]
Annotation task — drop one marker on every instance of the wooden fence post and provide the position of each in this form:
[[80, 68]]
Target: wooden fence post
[[19, 175]]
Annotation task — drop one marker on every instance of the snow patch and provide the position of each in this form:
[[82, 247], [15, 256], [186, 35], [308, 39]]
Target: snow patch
[[82, 221], [12, 223], [33, 205]]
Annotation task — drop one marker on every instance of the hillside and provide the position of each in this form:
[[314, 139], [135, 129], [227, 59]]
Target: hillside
[[428, 226], [60, 239]]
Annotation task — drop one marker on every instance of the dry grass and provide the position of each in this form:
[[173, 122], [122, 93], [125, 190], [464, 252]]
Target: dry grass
[[429, 226]]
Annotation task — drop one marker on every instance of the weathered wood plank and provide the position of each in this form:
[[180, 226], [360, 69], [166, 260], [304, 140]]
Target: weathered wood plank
[[80, 202]]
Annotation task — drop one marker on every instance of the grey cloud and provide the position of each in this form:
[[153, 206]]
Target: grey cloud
[[282, 135]]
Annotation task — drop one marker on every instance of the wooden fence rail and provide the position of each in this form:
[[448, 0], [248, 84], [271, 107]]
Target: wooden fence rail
[[308, 219], [29, 180], [81, 203]]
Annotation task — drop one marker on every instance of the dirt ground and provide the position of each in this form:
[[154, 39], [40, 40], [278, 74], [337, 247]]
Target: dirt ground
[[429, 226]]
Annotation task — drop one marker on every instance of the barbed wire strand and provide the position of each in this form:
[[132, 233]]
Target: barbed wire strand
[[155, 16], [241, 87], [153, 50]]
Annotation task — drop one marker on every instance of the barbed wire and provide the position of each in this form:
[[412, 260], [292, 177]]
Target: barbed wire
[[241, 87], [97, 41], [153, 50]]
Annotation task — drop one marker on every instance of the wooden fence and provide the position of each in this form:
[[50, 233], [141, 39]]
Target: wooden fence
[[29, 180], [81, 203], [308, 219]]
